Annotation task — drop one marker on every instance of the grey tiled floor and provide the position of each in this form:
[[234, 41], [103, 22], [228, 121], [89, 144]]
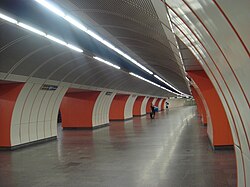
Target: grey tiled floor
[[171, 150]]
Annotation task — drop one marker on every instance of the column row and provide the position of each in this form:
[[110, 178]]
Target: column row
[[29, 111]]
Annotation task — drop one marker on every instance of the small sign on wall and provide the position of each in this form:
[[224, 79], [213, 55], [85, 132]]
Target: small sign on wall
[[108, 93], [48, 87]]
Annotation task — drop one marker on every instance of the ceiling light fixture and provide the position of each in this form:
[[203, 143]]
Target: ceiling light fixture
[[7, 18], [106, 62], [51, 7], [41, 33], [160, 79], [146, 80], [56, 40], [80, 26], [32, 29], [74, 48], [75, 23]]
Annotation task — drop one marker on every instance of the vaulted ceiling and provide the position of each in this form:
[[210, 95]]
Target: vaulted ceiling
[[134, 26]]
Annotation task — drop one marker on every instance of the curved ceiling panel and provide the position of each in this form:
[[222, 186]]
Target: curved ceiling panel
[[29, 55], [131, 25]]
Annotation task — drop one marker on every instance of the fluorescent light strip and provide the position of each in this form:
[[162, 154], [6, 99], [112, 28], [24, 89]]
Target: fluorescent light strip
[[74, 48], [6, 18], [77, 24], [31, 29], [160, 79], [51, 7], [41, 33], [135, 75], [106, 62], [56, 40]]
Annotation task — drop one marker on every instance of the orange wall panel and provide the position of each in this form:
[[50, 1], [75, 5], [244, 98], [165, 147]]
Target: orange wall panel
[[221, 130], [8, 97], [150, 100], [117, 107], [162, 104], [157, 102], [137, 106], [200, 106], [77, 109]]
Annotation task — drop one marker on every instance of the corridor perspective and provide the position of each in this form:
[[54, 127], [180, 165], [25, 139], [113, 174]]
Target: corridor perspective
[[171, 150], [124, 93]]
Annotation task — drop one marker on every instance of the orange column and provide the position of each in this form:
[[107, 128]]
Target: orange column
[[8, 96], [157, 102], [137, 106], [150, 100], [221, 130], [162, 104], [117, 107], [200, 106], [77, 109]]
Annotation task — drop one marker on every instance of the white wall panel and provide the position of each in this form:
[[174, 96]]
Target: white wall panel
[[25, 118], [101, 109], [32, 132], [154, 100], [40, 130], [33, 113], [24, 133], [42, 112], [173, 103], [55, 111], [15, 133], [128, 111], [144, 105], [225, 60], [239, 22]]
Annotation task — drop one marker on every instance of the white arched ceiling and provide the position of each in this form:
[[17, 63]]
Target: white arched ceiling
[[25, 56], [136, 28]]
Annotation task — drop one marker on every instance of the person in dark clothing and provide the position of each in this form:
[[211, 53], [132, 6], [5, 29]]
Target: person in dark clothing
[[152, 113]]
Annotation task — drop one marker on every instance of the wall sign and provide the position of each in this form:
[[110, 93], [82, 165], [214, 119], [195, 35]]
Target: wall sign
[[108, 93], [48, 87]]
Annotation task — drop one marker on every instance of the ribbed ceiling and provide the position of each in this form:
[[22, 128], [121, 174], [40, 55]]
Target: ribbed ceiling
[[131, 25], [135, 25], [30, 55], [189, 60]]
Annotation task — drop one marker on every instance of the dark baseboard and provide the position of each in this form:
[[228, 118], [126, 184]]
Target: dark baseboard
[[28, 144], [220, 147], [86, 128], [223, 147], [100, 126], [139, 115], [121, 119]]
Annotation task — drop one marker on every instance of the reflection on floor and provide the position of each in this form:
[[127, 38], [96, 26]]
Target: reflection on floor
[[171, 150]]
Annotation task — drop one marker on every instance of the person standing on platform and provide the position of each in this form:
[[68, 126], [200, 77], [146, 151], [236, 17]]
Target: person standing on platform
[[152, 113]]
